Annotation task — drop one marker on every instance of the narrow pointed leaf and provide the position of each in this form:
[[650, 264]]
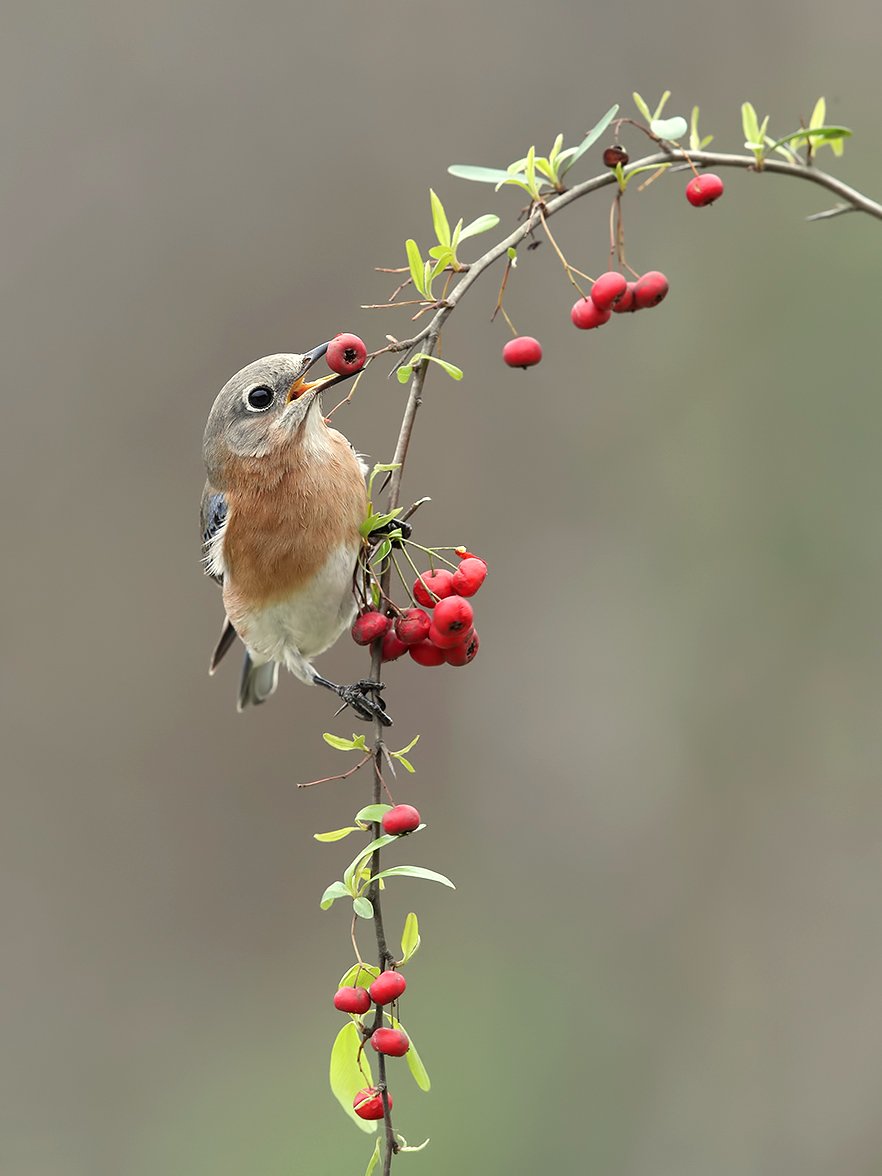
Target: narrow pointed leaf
[[749, 122], [439, 219], [415, 872], [663, 101], [591, 138], [356, 743], [374, 1160], [359, 976], [410, 938], [819, 134], [481, 224], [414, 1061], [694, 141], [351, 870], [337, 834], [415, 261], [345, 1076], [481, 175], [641, 106]]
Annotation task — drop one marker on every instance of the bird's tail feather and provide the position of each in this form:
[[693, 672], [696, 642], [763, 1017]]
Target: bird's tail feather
[[257, 682]]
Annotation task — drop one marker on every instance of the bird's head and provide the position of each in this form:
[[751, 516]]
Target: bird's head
[[263, 407]]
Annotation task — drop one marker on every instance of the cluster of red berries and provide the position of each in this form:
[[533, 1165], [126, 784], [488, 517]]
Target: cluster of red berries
[[612, 293], [447, 636]]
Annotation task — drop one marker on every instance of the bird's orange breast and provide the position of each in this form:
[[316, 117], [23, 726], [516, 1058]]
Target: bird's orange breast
[[286, 516]]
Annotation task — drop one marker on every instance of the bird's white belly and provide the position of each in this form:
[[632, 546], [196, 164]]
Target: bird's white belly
[[309, 621]]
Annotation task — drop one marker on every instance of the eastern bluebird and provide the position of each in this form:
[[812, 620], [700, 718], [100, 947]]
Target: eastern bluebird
[[281, 516]]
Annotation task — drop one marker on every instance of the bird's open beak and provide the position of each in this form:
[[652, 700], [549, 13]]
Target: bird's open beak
[[301, 386]]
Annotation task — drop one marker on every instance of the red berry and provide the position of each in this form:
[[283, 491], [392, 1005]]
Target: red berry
[[523, 351], [393, 648], [390, 1041], [585, 315], [608, 289], [412, 626], [650, 290], [463, 653], [368, 1103], [368, 627], [352, 1000], [346, 355], [615, 155], [626, 302], [704, 189], [469, 576], [403, 818], [453, 616], [445, 641], [426, 654], [433, 586], [387, 987]]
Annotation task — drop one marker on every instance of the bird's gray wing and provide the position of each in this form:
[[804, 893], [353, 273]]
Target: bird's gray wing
[[213, 515]]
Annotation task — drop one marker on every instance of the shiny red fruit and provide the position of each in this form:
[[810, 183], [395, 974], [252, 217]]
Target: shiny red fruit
[[368, 627], [433, 586], [447, 641], [626, 302], [403, 818], [393, 648], [650, 289], [387, 987], [368, 1103], [469, 576], [346, 355], [352, 1000], [390, 1041], [412, 626], [523, 351], [608, 289], [704, 189], [463, 653], [453, 616], [426, 654], [585, 315]]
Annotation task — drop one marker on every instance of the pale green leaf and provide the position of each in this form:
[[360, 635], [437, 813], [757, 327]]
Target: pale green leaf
[[414, 872], [673, 129], [334, 891], [410, 746], [373, 812], [555, 150], [404, 373], [439, 220], [383, 550], [694, 140], [414, 1061], [663, 101], [481, 224], [481, 175], [819, 114], [407, 1147], [819, 135], [363, 907], [345, 1076], [750, 123], [457, 233], [353, 867], [407, 765], [410, 938], [356, 743], [591, 138], [375, 1158], [452, 370], [415, 261], [427, 278], [359, 976], [641, 106], [337, 834], [439, 251]]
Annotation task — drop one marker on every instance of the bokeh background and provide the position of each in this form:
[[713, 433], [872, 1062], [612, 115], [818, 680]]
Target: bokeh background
[[657, 788]]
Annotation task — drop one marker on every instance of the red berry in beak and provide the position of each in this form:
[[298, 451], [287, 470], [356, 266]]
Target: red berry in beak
[[403, 818], [346, 355], [463, 653], [387, 987], [368, 627], [368, 1103], [522, 352], [608, 289], [650, 290], [412, 626], [704, 189], [352, 1000], [393, 1042], [585, 315], [433, 586], [469, 576], [393, 648], [426, 654]]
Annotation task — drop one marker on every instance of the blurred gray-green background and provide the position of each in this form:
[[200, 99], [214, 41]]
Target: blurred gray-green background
[[657, 788]]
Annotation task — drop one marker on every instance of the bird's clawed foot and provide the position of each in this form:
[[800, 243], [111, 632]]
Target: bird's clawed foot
[[363, 697]]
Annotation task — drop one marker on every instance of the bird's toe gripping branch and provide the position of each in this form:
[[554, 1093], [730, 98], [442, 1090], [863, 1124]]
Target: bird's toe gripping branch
[[363, 697]]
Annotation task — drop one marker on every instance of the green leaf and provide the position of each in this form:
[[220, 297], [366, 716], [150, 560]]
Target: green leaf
[[750, 123], [356, 743], [454, 372], [439, 220], [405, 763], [520, 181], [407, 1147], [334, 891], [404, 373], [415, 261], [694, 140], [410, 746], [353, 867], [818, 114], [372, 812], [363, 907], [591, 138], [512, 255], [414, 1061], [359, 976], [481, 175], [410, 938], [414, 872], [457, 233], [555, 150], [337, 834], [375, 1158], [663, 101], [481, 224], [822, 134], [440, 252], [672, 129], [345, 1076], [427, 278], [641, 106], [381, 469], [383, 550]]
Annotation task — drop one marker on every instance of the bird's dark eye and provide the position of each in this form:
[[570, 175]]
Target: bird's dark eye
[[259, 399]]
